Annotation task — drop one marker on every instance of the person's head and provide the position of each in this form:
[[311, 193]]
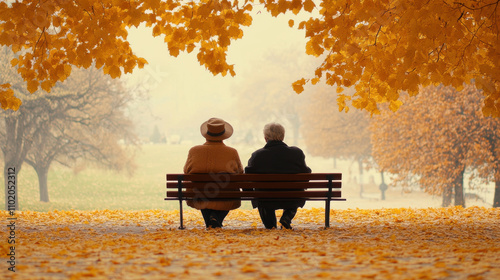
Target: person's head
[[216, 129], [274, 132]]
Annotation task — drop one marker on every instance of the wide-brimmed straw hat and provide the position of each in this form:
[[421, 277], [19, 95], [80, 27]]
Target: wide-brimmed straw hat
[[216, 129]]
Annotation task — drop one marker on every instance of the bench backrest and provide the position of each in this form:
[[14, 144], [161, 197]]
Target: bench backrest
[[227, 186]]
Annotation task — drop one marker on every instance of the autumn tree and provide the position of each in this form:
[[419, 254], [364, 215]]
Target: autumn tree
[[82, 118], [380, 47], [54, 35], [88, 123], [332, 134], [434, 138], [385, 47], [14, 145], [487, 163]]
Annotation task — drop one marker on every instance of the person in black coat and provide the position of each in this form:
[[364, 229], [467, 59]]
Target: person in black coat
[[276, 157]]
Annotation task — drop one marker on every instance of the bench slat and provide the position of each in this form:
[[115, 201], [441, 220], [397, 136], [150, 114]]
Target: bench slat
[[256, 194], [251, 185], [224, 177]]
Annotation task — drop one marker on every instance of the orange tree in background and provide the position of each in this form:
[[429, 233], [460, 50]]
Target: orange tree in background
[[381, 47], [434, 138], [487, 164], [332, 134]]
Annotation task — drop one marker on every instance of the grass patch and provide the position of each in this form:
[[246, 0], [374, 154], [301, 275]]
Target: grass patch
[[99, 189], [95, 189]]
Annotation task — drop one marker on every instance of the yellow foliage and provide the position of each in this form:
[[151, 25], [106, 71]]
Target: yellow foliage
[[32, 86], [445, 45], [298, 86], [376, 45], [309, 5], [7, 98], [394, 105]]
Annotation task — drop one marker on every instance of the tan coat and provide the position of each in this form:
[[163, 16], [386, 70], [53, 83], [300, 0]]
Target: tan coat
[[213, 157]]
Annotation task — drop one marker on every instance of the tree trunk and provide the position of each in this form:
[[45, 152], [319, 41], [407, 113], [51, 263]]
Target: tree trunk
[[42, 173], [447, 194], [496, 198], [383, 186], [459, 189], [14, 151]]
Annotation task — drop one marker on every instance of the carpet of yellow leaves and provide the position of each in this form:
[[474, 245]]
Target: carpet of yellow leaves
[[402, 243]]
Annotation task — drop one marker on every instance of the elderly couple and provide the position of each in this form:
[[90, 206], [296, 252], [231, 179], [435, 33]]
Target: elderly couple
[[215, 157]]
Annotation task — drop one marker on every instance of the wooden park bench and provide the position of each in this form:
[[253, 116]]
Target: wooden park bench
[[223, 186]]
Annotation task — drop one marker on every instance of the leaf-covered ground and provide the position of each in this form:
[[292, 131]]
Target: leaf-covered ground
[[432, 243]]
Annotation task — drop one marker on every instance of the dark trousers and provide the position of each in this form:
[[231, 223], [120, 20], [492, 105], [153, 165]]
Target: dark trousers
[[209, 215], [268, 216]]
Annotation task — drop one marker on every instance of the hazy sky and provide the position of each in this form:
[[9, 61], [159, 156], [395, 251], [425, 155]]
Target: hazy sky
[[183, 92]]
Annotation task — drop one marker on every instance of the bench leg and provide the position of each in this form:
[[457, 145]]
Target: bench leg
[[327, 213], [327, 202], [181, 216], [179, 188]]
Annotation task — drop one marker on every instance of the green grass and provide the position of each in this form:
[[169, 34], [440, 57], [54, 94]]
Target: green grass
[[94, 189], [98, 189]]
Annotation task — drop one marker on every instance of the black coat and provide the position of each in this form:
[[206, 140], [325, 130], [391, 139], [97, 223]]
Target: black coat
[[278, 158]]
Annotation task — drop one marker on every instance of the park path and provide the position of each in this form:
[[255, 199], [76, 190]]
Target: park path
[[396, 243]]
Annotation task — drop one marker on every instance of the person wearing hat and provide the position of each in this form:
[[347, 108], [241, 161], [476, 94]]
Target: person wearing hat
[[276, 157], [214, 157]]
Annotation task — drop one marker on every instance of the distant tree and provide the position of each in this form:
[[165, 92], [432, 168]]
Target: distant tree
[[487, 162], [434, 138], [267, 95], [82, 118], [156, 136], [86, 126], [332, 134], [491, 170], [15, 146]]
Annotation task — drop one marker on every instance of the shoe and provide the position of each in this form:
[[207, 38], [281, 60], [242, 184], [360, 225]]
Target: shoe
[[285, 224], [213, 223]]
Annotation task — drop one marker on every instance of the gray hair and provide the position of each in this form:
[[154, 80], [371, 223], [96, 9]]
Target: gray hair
[[274, 131]]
